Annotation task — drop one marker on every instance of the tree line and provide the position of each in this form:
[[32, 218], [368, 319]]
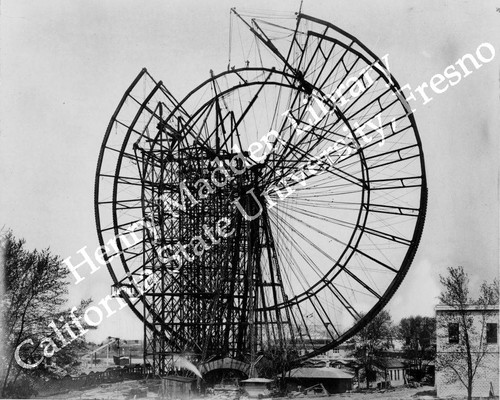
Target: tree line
[[374, 345]]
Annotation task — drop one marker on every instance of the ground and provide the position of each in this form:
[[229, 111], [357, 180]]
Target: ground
[[424, 392], [137, 389]]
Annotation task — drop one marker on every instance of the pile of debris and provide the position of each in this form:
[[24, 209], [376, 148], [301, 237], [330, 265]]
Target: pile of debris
[[312, 391], [224, 392]]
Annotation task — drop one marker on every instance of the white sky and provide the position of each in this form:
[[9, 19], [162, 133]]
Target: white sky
[[65, 65]]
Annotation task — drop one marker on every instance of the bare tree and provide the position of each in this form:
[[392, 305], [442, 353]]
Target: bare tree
[[470, 345]]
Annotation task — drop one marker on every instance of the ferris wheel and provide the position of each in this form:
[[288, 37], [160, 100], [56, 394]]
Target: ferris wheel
[[279, 203]]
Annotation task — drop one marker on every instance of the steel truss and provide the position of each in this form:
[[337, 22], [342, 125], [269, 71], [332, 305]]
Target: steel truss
[[319, 239]]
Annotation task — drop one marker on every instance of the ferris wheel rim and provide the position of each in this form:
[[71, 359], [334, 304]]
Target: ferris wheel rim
[[405, 263]]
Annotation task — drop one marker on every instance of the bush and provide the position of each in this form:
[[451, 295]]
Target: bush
[[24, 388]]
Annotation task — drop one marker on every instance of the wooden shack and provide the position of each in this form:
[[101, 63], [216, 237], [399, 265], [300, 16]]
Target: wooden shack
[[177, 387]]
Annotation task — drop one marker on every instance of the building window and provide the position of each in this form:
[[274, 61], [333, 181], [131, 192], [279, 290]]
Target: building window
[[491, 333], [453, 332]]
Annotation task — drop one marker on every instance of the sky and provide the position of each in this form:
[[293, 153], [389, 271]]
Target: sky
[[65, 65]]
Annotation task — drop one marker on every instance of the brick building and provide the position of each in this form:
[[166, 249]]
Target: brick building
[[450, 350]]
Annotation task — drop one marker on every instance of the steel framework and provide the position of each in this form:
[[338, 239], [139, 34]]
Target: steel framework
[[234, 217]]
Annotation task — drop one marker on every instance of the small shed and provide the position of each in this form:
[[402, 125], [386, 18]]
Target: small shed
[[395, 372], [176, 387], [391, 371], [333, 379]]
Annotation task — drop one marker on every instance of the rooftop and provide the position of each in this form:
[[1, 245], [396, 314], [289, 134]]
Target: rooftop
[[471, 307], [324, 373]]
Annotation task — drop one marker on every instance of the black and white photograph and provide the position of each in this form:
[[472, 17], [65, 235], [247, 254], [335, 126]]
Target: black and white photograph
[[235, 200]]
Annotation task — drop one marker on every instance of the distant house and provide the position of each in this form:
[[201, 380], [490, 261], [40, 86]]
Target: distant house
[[394, 372], [486, 381], [391, 372], [320, 337], [341, 351], [334, 380], [344, 363]]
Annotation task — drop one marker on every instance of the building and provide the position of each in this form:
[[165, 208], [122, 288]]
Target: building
[[343, 350], [450, 354], [393, 371], [334, 380], [390, 372], [177, 387]]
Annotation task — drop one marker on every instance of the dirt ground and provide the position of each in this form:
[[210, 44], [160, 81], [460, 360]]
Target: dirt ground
[[128, 390], [424, 392]]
